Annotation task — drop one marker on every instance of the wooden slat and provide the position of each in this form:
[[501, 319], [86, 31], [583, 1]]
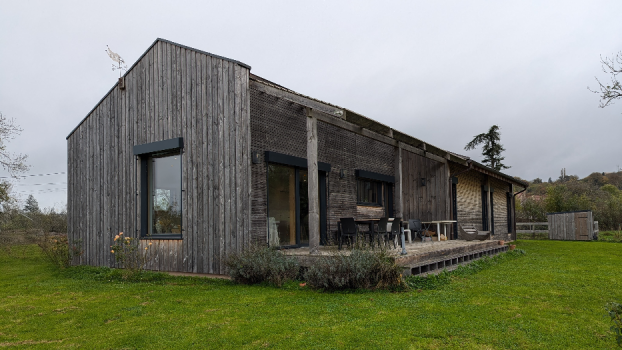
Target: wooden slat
[[238, 221], [221, 140]]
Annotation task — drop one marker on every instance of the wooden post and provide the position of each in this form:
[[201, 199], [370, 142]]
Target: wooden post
[[398, 182], [488, 195], [313, 183]]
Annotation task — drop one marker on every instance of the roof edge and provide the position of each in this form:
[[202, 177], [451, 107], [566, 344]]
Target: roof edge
[[139, 59]]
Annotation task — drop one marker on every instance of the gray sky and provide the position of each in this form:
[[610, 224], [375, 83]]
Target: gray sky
[[442, 71]]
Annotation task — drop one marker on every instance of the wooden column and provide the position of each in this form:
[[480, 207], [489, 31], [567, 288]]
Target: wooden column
[[313, 182], [488, 195], [398, 212]]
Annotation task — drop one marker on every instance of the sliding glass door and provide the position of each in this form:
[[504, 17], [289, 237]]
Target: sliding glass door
[[288, 205]]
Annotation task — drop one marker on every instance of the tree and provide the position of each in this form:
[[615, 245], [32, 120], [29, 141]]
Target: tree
[[492, 148], [612, 91], [13, 163], [32, 206]]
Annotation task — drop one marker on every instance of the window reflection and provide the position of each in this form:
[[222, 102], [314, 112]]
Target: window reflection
[[165, 200]]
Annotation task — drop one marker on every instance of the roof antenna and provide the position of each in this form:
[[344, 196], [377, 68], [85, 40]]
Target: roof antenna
[[121, 66]]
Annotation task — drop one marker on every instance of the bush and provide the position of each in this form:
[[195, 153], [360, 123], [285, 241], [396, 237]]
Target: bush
[[615, 312], [128, 253], [361, 269], [57, 251], [259, 264]]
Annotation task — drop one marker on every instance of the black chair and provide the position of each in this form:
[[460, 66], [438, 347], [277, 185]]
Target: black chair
[[347, 228], [381, 231], [416, 228], [395, 230]]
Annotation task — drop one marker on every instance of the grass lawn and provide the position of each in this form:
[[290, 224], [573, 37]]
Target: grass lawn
[[551, 298]]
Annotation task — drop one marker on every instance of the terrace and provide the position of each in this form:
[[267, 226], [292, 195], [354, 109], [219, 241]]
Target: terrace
[[421, 257]]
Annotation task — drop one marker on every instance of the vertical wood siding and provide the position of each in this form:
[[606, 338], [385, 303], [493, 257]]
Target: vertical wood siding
[[429, 202], [171, 92]]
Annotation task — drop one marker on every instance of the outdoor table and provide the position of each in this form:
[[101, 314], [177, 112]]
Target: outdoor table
[[370, 223], [438, 226]]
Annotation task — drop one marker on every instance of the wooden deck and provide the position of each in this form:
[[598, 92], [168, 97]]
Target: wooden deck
[[421, 257]]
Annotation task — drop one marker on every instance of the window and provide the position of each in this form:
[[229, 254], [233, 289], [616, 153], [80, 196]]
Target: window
[[368, 192], [164, 175], [160, 189]]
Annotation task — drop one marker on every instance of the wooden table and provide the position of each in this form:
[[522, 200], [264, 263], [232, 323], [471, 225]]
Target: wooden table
[[438, 226]]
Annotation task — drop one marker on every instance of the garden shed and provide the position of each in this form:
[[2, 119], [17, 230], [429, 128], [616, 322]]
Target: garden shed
[[571, 226]]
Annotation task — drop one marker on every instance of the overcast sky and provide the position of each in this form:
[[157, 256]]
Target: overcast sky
[[442, 71]]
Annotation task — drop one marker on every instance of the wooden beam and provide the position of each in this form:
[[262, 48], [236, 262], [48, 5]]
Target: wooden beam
[[398, 182], [313, 183], [357, 123], [301, 100]]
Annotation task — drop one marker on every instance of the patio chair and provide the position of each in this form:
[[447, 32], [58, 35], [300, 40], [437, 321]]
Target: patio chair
[[470, 233], [382, 230], [395, 231], [347, 228], [414, 227]]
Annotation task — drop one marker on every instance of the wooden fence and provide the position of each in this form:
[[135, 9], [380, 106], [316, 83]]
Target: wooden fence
[[532, 227]]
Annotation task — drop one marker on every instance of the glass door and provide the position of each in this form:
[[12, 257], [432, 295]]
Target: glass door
[[281, 205], [288, 205]]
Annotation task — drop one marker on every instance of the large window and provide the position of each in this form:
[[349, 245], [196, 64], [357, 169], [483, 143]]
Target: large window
[[160, 188], [164, 174], [375, 189], [368, 192]]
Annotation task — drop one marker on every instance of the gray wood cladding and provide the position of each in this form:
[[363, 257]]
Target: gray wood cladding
[[571, 226], [172, 91], [429, 202]]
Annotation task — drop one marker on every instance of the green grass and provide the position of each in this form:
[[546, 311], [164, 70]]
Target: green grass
[[551, 298], [610, 236]]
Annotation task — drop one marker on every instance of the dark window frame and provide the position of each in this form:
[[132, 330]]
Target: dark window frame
[[146, 152], [385, 189], [379, 192]]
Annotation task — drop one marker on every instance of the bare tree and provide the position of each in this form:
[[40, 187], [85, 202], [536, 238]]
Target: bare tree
[[612, 91], [13, 163]]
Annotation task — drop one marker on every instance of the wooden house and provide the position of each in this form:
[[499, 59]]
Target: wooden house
[[194, 154]]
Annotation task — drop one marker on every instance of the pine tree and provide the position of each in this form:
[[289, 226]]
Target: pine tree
[[492, 148], [32, 206]]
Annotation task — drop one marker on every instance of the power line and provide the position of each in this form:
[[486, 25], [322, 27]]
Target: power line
[[11, 177], [46, 190], [49, 183]]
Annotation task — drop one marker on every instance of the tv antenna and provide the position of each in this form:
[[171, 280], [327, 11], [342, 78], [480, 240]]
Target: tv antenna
[[120, 66]]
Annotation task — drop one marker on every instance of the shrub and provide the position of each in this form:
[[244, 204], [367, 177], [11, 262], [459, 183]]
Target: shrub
[[361, 269], [615, 312], [130, 256], [259, 264], [57, 251]]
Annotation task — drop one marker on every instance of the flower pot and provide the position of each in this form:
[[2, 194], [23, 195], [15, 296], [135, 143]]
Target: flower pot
[[501, 242], [512, 246]]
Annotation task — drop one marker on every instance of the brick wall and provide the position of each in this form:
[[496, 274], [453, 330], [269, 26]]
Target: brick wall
[[469, 200], [280, 126]]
